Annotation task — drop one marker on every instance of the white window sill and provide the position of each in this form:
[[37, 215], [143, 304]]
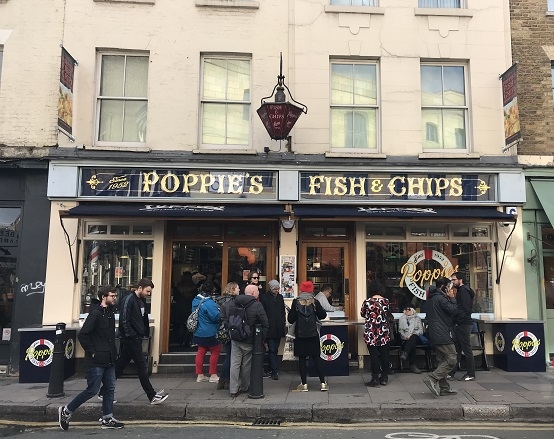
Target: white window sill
[[548, 13], [449, 155], [225, 151], [445, 12], [245, 4], [359, 155], [118, 148], [354, 9], [146, 2]]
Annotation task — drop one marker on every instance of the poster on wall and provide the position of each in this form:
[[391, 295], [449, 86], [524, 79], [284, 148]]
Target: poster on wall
[[512, 132], [288, 276], [65, 95]]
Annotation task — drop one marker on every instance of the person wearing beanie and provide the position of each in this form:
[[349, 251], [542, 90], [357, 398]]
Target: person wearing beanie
[[274, 306], [305, 313]]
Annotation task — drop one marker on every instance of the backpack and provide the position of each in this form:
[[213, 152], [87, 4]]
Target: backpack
[[239, 330], [306, 322], [192, 320]]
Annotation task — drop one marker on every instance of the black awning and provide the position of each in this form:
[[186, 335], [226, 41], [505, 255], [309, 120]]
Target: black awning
[[348, 211], [156, 210]]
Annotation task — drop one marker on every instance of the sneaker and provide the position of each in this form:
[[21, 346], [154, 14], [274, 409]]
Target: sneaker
[[302, 388], [111, 423], [202, 379], [433, 385], [275, 376], [159, 397], [383, 381], [373, 383], [415, 369], [467, 377], [446, 392], [214, 379], [267, 375], [63, 418], [324, 387], [450, 377], [101, 398]]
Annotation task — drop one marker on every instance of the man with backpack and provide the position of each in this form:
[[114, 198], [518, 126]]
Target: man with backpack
[[241, 316], [463, 326]]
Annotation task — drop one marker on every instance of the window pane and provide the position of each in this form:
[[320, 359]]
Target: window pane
[[111, 81], [431, 85], [550, 5], [354, 129], [454, 129], [341, 2], [365, 87], [342, 87], [432, 128], [111, 118], [136, 76], [119, 230], [215, 79], [213, 124], [97, 230], [237, 124], [238, 88], [454, 88], [135, 121], [142, 230], [364, 135]]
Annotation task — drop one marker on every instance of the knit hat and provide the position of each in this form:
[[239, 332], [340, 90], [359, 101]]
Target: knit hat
[[251, 289], [307, 287], [273, 284]]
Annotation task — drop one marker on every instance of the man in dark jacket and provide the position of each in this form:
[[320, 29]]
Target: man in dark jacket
[[441, 311], [274, 307], [463, 326], [241, 351], [133, 327], [97, 336]]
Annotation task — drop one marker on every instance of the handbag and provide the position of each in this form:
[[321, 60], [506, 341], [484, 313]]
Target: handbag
[[222, 333], [192, 320]]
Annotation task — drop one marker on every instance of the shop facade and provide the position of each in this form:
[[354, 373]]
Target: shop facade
[[338, 228]]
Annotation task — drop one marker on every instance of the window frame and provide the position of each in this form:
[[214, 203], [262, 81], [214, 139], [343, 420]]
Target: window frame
[[465, 107], [1, 61], [374, 3], [376, 107], [463, 5], [99, 98], [202, 101]]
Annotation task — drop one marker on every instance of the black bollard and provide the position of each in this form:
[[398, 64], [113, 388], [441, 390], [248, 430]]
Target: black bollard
[[55, 384], [256, 389]]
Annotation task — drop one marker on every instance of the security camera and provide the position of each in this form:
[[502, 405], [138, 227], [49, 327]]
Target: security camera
[[266, 149]]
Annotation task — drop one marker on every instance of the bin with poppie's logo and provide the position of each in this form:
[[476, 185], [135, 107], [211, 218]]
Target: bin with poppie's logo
[[36, 352]]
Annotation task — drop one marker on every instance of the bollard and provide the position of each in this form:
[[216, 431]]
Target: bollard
[[256, 389], [55, 384]]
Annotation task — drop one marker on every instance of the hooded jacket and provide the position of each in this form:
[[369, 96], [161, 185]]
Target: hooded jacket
[[208, 316], [255, 313], [441, 312], [97, 337]]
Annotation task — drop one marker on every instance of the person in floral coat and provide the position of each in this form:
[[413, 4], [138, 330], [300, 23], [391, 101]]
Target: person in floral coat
[[377, 333]]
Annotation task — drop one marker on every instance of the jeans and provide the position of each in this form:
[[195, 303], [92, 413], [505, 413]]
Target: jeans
[[226, 366], [241, 365], [446, 359], [214, 358], [463, 344], [97, 376], [273, 348], [379, 358], [131, 349]]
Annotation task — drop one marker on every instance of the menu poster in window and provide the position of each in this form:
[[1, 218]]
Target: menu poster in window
[[288, 276]]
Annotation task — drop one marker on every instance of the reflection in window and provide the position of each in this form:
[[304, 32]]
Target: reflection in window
[[115, 262]]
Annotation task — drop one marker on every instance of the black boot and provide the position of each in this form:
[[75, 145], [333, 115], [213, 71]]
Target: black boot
[[221, 384]]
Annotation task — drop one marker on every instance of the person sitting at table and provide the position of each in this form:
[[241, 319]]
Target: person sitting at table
[[410, 327], [323, 298]]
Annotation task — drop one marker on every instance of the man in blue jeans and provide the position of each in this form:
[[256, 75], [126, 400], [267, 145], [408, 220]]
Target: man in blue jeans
[[97, 336]]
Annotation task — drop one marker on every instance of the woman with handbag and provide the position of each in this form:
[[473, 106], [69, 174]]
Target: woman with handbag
[[231, 290], [204, 336], [377, 333]]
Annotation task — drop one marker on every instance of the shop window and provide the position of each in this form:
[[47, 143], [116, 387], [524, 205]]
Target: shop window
[[225, 101], [120, 263], [460, 231], [399, 232], [325, 231], [10, 226], [198, 230], [437, 232], [119, 230], [480, 232], [444, 106], [238, 230], [97, 229], [142, 230], [418, 231], [354, 105], [122, 98]]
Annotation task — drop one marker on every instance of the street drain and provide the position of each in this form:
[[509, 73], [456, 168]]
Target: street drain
[[269, 422]]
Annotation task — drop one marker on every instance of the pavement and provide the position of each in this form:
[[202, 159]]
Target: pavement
[[495, 395]]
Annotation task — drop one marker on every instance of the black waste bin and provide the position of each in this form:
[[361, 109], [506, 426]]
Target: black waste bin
[[36, 351], [518, 345]]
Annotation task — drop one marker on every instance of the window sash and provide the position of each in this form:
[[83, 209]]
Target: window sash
[[550, 6], [355, 2], [440, 4]]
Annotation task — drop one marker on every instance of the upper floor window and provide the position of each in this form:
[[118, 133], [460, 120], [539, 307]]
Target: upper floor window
[[440, 3], [355, 2], [1, 56], [122, 102], [444, 106], [551, 74], [550, 5], [225, 101], [354, 105]]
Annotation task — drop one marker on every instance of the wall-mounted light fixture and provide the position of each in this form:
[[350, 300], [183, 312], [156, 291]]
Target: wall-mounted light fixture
[[287, 225]]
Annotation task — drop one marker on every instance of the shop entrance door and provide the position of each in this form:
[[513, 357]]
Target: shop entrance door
[[548, 261]]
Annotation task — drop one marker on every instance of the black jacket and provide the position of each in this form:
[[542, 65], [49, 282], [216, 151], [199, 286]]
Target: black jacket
[[97, 336], [293, 313], [132, 323], [464, 297], [274, 307], [255, 313], [441, 312]]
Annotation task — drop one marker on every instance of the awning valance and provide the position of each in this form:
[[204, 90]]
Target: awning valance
[[543, 189]]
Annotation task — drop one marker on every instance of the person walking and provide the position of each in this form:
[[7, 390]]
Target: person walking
[[204, 336], [133, 327], [377, 333], [410, 327], [463, 326], [274, 306], [230, 291], [241, 351], [306, 312], [441, 311], [97, 337]]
